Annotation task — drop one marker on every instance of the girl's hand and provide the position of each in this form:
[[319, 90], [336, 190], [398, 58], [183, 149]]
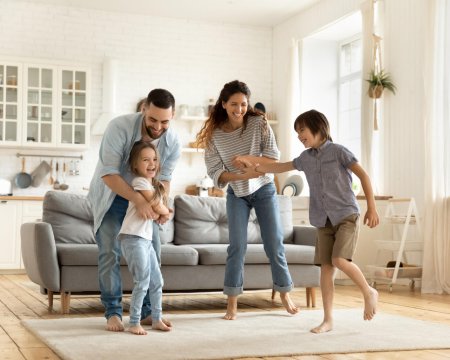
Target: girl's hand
[[371, 218]]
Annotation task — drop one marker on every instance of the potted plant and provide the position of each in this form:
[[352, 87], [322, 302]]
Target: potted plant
[[378, 81]]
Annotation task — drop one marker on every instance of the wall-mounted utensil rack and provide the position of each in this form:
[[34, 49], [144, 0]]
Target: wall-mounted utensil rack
[[51, 156]]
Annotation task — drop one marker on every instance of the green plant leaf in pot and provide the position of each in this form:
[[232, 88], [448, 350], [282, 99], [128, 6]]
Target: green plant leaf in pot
[[379, 81]]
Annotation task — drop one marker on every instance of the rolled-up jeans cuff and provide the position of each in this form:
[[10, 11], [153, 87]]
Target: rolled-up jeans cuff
[[232, 291], [283, 289]]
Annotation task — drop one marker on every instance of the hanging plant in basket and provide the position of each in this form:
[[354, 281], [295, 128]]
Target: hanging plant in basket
[[378, 81]]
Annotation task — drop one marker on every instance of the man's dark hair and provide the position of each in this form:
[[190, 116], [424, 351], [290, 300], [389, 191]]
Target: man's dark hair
[[161, 98]]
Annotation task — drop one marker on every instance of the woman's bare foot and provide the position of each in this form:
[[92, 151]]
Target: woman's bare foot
[[370, 304], [137, 330], [160, 325], [148, 321], [288, 303], [324, 327], [231, 308], [114, 324]]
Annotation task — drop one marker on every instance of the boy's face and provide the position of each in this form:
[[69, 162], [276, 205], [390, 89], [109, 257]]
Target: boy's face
[[307, 138]]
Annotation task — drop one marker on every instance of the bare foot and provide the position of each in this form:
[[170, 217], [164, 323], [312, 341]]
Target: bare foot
[[231, 308], [370, 304], [114, 324], [324, 327], [137, 330], [160, 325], [288, 303], [148, 321]]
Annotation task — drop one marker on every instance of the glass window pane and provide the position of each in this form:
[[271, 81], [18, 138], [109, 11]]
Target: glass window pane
[[67, 78], [12, 75], [66, 115], [11, 94], [80, 116], [80, 99], [2, 74], [46, 113], [66, 134], [33, 96], [46, 133], [47, 78], [80, 79], [11, 112], [33, 77], [80, 134], [32, 132], [67, 99], [11, 131], [1, 131], [46, 97]]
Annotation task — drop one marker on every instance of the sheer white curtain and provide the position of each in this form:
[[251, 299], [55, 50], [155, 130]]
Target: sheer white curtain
[[436, 262]]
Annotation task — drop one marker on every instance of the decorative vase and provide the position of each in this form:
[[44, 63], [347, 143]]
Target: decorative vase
[[375, 92]]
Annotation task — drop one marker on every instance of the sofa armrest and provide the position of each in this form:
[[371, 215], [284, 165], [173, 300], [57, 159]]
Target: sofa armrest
[[305, 235], [39, 255]]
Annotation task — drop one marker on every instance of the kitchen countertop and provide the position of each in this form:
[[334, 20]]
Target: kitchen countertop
[[37, 194], [14, 197]]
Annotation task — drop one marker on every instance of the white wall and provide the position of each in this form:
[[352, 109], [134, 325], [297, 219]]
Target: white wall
[[192, 59], [401, 133]]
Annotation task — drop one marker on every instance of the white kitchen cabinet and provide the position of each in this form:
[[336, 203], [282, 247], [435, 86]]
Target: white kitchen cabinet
[[10, 102], [10, 220], [13, 213], [44, 105]]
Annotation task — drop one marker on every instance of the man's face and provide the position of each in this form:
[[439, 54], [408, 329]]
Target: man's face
[[157, 120]]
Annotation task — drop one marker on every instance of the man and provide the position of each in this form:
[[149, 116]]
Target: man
[[109, 192]]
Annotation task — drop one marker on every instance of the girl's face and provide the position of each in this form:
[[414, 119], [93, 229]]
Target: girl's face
[[236, 107], [307, 138], [147, 163]]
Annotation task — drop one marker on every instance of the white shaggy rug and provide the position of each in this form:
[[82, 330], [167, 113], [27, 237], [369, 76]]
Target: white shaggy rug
[[253, 334]]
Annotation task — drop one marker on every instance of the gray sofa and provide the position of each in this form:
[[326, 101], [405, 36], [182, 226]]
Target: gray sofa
[[60, 253]]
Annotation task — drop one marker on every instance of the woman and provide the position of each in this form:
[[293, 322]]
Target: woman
[[235, 136]]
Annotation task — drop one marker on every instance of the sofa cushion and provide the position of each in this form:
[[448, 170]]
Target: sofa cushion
[[167, 230], [178, 255], [203, 220], [70, 216], [216, 254]]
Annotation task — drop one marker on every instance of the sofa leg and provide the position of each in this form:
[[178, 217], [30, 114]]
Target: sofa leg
[[310, 297], [50, 299], [65, 302]]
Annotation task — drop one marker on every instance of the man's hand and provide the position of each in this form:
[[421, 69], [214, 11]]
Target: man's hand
[[145, 210]]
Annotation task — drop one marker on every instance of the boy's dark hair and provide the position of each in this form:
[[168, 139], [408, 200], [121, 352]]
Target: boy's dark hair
[[161, 98], [314, 121]]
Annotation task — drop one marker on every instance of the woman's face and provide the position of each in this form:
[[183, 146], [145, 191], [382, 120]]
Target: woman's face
[[236, 107]]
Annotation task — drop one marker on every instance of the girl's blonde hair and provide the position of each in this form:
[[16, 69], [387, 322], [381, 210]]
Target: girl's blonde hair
[[160, 193]]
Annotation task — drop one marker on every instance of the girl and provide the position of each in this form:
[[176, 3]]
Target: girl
[[136, 237], [234, 132]]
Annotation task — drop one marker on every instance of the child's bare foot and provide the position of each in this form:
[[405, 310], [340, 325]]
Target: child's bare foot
[[288, 303], [324, 327], [114, 324], [231, 308], [160, 325], [137, 330], [148, 321], [370, 304]]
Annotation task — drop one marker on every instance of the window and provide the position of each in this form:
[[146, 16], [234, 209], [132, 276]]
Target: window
[[349, 94]]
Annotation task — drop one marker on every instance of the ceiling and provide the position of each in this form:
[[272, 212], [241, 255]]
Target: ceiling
[[266, 13]]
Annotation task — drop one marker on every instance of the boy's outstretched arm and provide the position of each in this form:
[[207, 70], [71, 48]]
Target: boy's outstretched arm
[[371, 217], [275, 167]]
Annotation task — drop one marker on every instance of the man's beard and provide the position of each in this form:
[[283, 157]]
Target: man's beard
[[150, 133]]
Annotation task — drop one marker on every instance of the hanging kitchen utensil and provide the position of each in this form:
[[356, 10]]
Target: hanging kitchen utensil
[[64, 186], [23, 179], [40, 173], [51, 179], [56, 183]]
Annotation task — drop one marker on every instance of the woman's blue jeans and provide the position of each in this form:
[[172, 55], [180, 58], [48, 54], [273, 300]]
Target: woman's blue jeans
[[144, 267], [267, 211], [109, 259]]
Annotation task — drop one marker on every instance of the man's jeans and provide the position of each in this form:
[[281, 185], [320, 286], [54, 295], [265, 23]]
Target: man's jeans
[[267, 211], [144, 267], [109, 259]]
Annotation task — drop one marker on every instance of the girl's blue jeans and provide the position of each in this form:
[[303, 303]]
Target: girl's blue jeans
[[265, 203], [109, 250], [144, 268]]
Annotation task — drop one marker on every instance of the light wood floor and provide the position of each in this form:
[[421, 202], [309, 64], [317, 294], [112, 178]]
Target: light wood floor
[[20, 299]]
